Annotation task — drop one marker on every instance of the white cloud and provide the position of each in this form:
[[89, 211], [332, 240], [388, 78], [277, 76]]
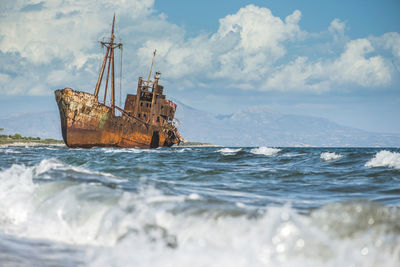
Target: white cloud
[[53, 43], [299, 74], [49, 37], [337, 27], [352, 67], [58, 29], [392, 41], [244, 47]]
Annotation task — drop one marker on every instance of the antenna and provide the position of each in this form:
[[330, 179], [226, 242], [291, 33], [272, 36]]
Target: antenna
[[152, 62]]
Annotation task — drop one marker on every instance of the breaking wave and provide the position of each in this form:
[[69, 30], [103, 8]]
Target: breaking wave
[[203, 217], [267, 151], [229, 151], [9, 151], [329, 156], [385, 158], [110, 224]]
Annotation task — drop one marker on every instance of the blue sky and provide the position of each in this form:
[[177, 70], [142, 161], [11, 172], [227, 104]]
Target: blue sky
[[335, 59]]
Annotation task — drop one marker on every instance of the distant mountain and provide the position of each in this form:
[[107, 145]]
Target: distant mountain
[[255, 126]]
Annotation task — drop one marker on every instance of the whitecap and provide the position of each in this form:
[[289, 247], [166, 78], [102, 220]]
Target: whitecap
[[280, 237], [229, 151], [147, 222], [10, 151], [58, 210], [267, 151], [329, 156], [16, 188], [54, 164], [194, 196], [291, 155], [108, 150], [385, 158], [121, 150], [182, 150]]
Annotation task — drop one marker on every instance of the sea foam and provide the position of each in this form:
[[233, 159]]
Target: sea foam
[[146, 226], [280, 237], [329, 156], [385, 158], [229, 151], [267, 151], [115, 150], [109, 224]]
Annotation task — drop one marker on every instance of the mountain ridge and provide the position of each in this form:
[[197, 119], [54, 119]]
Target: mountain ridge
[[253, 126], [260, 125]]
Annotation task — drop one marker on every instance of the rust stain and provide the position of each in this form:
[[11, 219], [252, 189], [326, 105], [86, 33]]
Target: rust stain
[[146, 121], [86, 122]]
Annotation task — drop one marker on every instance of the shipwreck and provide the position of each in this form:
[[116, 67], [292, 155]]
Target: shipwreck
[[146, 121]]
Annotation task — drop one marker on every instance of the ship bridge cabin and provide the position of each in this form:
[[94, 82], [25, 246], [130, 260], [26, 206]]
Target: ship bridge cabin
[[149, 103]]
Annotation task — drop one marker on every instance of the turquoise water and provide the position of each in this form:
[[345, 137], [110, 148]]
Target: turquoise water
[[206, 206]]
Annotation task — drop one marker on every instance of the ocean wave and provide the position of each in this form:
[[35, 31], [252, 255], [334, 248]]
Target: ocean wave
[[228, 151], [267, 151], [31, 144], [180, 150], [279, 237], [16, 188], [121, 150], [219, 219], [292, 155], [163, 232], [385, 158], [9, 151], [77, 213], [54, 164], [329, 156], [139, 150]]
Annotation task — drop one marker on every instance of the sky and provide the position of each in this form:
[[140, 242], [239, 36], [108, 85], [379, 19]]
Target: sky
[[334, 59]]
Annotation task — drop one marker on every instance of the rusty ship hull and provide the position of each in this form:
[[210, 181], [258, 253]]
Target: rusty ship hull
[[86, 123], [146, 121]]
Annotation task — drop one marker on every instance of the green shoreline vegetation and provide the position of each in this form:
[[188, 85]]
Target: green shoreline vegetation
[[18, 138]]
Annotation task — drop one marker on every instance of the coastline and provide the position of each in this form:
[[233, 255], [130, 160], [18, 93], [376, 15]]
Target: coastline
[[22, 144]]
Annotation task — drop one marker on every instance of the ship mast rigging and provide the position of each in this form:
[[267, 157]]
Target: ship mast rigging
[[108, 57]]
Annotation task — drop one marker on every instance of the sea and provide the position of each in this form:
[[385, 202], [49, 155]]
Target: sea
[[199, 206]]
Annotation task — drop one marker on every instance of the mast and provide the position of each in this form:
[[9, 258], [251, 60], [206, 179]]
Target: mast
[[109, 56], [112, 84], [108, 74], [96, 91], [152, 62]]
